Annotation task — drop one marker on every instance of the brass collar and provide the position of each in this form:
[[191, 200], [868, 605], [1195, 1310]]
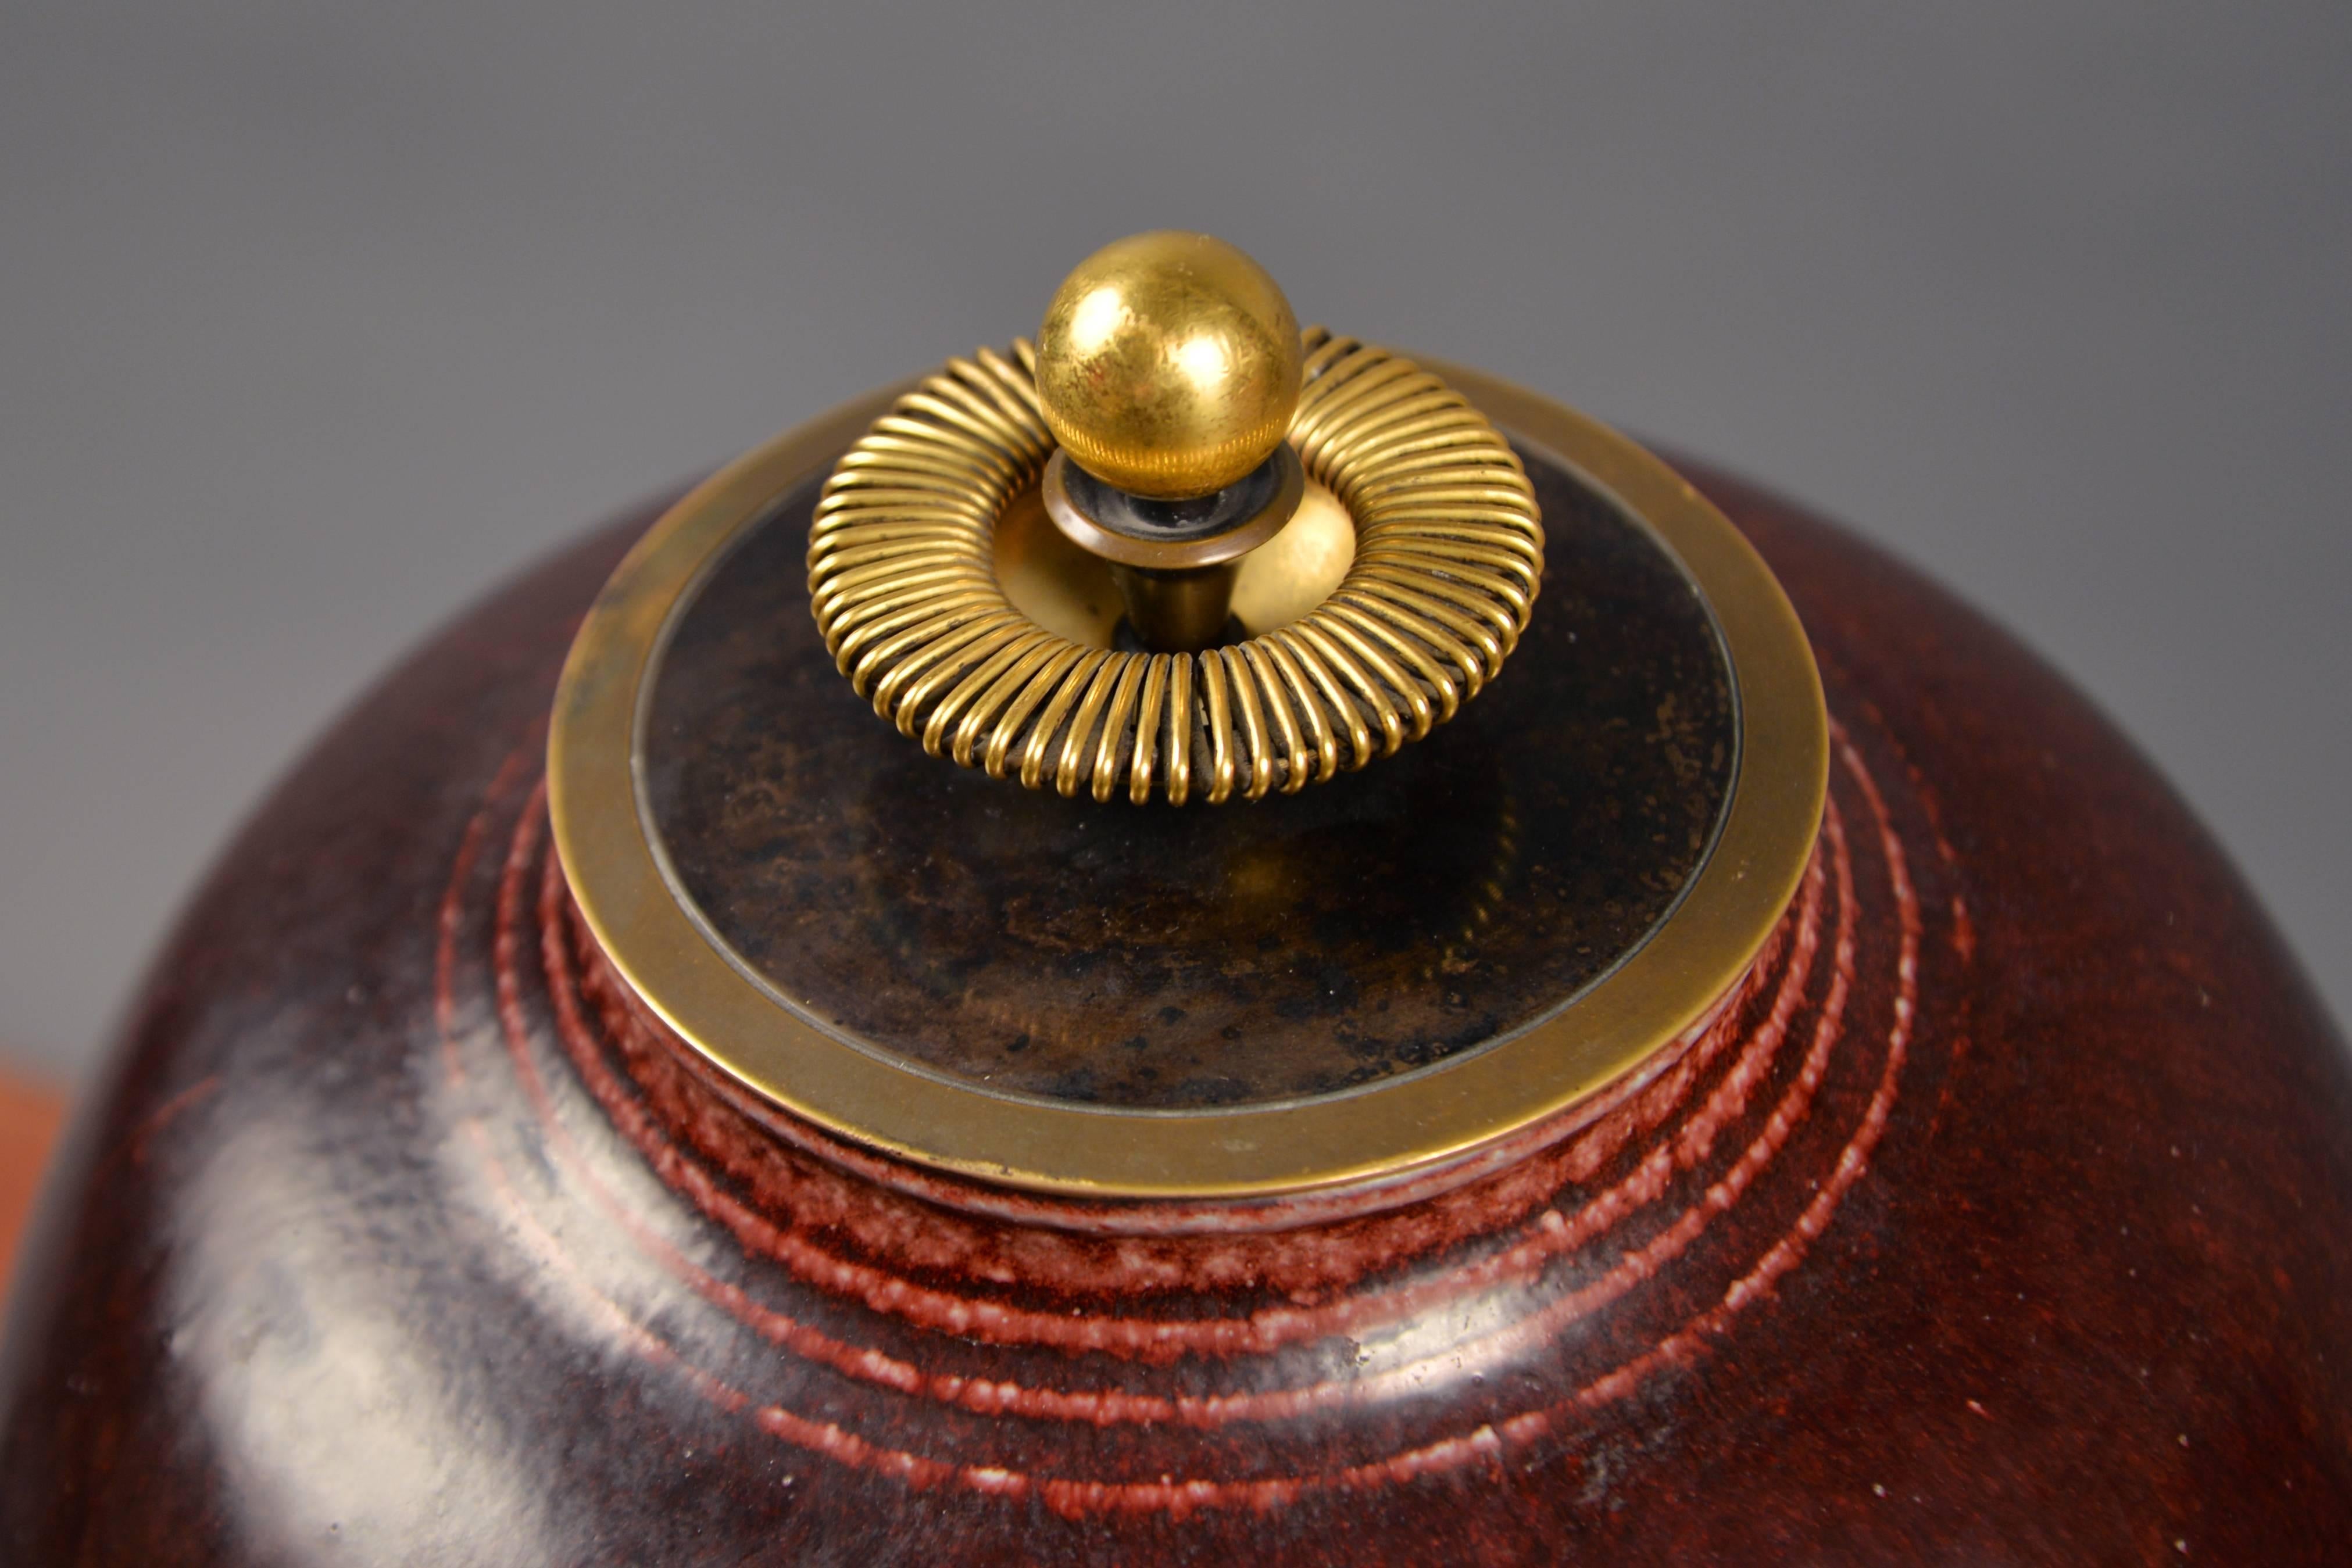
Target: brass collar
[[1414, 1123]]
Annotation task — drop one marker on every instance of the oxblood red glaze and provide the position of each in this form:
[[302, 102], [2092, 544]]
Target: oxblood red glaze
[[2001, 1216]]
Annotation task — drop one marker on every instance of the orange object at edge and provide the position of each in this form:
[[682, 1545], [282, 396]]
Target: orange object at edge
[[30, 1115]]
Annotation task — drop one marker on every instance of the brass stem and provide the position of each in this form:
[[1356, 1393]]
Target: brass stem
[[1178, 586], [1179, 612]]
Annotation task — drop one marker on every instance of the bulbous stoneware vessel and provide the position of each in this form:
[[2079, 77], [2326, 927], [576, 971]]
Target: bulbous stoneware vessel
[[1539, 1005]]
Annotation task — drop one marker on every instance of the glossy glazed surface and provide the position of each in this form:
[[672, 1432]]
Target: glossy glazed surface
[[2002, 1217]]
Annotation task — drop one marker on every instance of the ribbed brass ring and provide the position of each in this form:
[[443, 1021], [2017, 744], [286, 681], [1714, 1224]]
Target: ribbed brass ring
[[1449, 557]]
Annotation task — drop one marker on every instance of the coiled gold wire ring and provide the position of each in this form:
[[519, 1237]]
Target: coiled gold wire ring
[[903, 583]]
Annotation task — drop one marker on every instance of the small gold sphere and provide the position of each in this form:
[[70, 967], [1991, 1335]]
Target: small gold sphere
[[1168, 364]]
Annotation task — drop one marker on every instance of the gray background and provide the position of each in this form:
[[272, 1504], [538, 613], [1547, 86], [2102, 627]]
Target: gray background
[[316, 319]]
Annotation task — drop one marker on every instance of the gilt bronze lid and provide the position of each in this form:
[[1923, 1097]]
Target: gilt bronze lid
[[1483, 915]]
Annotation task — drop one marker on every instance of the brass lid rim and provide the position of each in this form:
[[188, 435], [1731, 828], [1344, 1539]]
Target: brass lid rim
[[1411, 1123]]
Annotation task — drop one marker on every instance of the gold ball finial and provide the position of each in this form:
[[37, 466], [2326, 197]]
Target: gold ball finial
[[1168, 364]]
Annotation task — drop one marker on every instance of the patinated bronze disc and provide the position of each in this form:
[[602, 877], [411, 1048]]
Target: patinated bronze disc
[[1178, 959]]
